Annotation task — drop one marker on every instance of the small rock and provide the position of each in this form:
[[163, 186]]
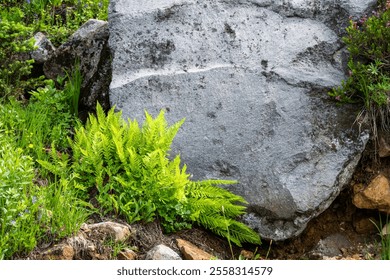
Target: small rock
[[44, 48], [59, 252], [81, 245], [162, 252], [118, 232], [191, 252], [331, 246], [127, 254], [386, 230], [247, 254], [375, 196], [88, 45]]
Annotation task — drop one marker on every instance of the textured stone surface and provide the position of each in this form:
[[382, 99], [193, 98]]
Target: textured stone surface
[[162, 252], [250, 77], [89, 46], [59, 252], [44, 48], [127, 255], [331, 246], [375, 196], [118, 232], [191, 252]]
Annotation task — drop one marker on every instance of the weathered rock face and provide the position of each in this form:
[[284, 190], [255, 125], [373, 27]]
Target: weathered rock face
[[89, 46], [250, 77]]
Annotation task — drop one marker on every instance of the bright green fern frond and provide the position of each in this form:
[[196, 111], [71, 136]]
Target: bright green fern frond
[[216, 206], [209, 189], [243, 233], [232, 230]]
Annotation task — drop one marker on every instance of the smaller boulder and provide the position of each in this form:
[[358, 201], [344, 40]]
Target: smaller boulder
[[89, 47], [117, 232], [331, 246], [44, 48], [375, 196]]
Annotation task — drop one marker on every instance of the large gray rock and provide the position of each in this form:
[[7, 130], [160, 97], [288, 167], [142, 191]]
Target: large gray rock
[[250, 77]]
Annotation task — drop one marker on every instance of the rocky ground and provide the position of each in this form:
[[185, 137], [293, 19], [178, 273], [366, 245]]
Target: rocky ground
[[341, 232]]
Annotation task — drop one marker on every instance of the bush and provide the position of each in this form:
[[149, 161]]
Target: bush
[[15, 42], [18, 226], [368, 83]]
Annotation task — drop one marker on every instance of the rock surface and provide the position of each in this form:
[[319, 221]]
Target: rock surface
[[118, 232], [127, 254], [89, 46], [375, 196], [44, 48], [162, 252], [191, 252], [250, 77], [331, 246]]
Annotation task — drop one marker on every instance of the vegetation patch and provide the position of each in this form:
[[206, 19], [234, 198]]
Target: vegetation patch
[[368, 82]]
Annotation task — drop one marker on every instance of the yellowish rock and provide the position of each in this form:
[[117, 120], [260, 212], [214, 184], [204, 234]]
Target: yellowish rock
[[127, 254], [375, 196], [191, 252], [59, 252]]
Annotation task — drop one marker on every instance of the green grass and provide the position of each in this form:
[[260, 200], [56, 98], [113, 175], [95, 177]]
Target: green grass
[[385, 238]]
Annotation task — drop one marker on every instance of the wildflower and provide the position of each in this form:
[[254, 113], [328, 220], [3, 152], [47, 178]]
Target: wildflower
[[30, 146], [338, 98]]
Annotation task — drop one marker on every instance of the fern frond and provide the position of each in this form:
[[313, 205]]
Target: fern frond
[[232, 230], [243, 233], [215, 206], [209, 189]]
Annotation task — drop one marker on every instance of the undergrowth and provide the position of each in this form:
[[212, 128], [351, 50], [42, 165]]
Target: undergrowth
[[368, 81], [126, 169]]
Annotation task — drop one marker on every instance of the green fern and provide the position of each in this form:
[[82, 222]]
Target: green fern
[[127, 170], [215, 209]]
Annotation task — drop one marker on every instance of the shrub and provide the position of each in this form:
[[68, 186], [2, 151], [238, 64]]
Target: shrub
[[18, 225], [15, 42], [368, 83]]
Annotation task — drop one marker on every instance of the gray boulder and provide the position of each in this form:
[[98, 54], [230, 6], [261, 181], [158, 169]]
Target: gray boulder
[[89, 46], [251, 78]]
